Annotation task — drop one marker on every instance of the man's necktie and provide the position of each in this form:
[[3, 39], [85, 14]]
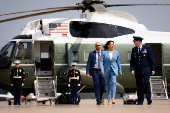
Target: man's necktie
[[139, 50], [98, 59]]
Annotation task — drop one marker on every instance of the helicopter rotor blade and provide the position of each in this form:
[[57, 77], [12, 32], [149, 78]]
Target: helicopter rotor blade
[[109, 5], [46, 9], [41, 13]]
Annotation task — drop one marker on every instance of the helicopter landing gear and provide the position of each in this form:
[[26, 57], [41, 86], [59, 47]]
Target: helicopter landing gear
[[66, 99], [63, 99], [10, 102]]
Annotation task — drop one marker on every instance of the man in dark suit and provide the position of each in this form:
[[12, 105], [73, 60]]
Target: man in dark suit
[[142, 65], [93, 69]]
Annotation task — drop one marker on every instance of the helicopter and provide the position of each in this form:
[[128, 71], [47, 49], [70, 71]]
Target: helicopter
[[52, 44]]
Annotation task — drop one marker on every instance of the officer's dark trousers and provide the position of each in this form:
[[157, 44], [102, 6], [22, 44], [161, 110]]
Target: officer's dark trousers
[[99, 84], [17, 94], [74, 94], [143, 87]]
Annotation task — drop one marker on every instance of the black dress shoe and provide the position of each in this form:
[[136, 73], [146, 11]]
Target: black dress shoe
[[140, 103], [149, 102], [98, 102]]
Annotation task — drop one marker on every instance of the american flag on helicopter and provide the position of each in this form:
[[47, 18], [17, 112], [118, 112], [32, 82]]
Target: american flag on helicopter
[[58, 27]]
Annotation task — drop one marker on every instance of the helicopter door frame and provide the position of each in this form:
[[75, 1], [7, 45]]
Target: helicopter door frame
[[44, 58], [157, 50]]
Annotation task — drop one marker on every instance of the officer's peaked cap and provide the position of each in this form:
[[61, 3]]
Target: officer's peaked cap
[[17, 62], [73, 64], [137, 38]]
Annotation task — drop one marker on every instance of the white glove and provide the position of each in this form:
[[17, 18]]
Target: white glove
[[11, 84], [68, 85], [22, 84], [78, 84]]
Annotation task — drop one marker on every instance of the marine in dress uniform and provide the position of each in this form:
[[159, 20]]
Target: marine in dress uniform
[[17, 78], [142, 65], [74, 80]]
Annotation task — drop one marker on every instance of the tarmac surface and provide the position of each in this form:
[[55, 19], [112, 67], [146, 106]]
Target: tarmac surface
[[87, 106]]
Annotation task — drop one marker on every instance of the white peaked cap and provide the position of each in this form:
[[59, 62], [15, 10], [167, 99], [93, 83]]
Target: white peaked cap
[[73, 63], [17, 62]]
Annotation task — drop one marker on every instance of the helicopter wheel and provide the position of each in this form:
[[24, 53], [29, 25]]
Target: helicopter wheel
[[69, 99], [43, 102], [63, 99], [9, 102]]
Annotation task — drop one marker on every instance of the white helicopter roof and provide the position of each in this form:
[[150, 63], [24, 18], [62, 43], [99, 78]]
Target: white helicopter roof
[[117, 18]]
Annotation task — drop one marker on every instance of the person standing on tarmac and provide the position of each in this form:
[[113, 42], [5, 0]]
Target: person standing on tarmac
[[74, 80], [142, 65], [93, 69], [17, 78]]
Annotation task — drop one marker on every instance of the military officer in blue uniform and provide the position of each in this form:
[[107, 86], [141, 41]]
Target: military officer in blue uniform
[[74, 80], [142, 65], [17, 78]]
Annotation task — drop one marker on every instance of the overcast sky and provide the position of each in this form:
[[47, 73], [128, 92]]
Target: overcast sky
[[155, 18]]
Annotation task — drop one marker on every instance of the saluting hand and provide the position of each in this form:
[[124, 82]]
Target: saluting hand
[[102, 72], [120, 75], [132, 72], [87, 75]]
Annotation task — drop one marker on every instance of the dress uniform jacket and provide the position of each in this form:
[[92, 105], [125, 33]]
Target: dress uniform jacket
[[74, 73], [17, 75], [142, 62]]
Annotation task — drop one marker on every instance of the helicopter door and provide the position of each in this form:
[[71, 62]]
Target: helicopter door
[[43, 53], [157, 54]]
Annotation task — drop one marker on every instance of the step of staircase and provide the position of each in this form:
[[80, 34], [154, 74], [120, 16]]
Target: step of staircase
[[158, 88], [45, 88]]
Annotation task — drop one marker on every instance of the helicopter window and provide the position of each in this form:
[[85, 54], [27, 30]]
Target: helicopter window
[[97, 30], [2, 49], [75, 56], [7, 50], [23, 37], [129, 55], [86, 55], [24, 50]]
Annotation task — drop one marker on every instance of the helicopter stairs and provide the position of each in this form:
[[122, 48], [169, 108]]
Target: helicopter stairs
[[158, 88], [45, 89]]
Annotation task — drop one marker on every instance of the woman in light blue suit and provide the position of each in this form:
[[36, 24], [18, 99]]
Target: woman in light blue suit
[[110, 66]]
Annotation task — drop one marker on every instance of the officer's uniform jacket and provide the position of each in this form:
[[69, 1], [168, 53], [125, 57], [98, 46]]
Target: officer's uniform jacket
[[71, 77], [17, 75], [142, 62]]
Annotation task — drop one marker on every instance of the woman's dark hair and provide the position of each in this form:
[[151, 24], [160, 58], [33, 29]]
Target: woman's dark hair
[[106, 45]]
